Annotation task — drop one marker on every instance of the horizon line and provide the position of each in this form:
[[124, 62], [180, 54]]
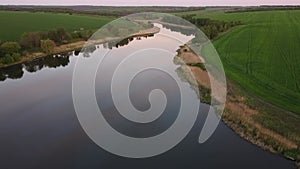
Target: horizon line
[[67, 5]]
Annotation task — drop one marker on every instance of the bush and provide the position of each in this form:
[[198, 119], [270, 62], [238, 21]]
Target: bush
[[16, 57], [83, 34], [8, 48], [59, 36], [47, 46], [30, 40], [8, 59]]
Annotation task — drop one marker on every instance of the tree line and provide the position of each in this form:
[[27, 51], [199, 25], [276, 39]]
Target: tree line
[[211, 28], [99, 10], [45, 41], [262, 8]]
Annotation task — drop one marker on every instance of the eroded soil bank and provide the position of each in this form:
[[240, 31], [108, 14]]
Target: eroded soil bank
[[272, 129]]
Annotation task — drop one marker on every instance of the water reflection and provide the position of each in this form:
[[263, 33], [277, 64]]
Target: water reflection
[[126, 41], [61, 60], [183, 30], [12, 72], [42, 131], [17, 71]]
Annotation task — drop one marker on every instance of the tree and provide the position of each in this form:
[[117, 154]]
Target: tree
[[30, 40], [7, 59], [59, 36], [48, 46], [63, 35], [9, 48], [214, 31]]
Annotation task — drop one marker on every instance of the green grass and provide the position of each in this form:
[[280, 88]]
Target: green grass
[[14, 24], [263, 55]]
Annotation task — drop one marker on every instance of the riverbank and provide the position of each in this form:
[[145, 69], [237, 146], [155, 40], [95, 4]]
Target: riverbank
[[274, 130], [271, 129], [75, 46]]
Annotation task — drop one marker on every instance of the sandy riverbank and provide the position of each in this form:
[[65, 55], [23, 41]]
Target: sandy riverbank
[[240, 114]]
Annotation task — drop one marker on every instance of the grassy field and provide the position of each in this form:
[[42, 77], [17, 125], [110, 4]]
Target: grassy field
[[263, 54], [14, 24]]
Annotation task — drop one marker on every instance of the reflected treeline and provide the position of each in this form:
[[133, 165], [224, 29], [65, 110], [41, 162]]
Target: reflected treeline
[[17, 71], [184, 30], [117, 43], [200, 37], [124, 42], [12, 72], [89, 49]]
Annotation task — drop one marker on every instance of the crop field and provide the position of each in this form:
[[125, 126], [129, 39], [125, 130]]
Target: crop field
[[263, 55], [14, 24]]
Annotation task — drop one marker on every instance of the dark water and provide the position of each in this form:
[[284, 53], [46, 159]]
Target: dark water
[[39, 128]]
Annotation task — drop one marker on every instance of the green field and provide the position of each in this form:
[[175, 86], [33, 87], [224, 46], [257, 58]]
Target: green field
[[263, 55], [14, 24]]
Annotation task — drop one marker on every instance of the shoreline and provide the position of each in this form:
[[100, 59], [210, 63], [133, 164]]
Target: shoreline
[[241, 113], [238, 115], [75, 46], [36, 55]]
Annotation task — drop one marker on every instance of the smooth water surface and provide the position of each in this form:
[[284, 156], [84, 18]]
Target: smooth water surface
[[39, 127]]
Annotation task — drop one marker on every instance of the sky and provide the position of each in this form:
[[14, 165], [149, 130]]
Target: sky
[[152, 2]]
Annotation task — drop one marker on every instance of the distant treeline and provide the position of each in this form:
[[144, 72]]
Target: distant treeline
[[126, 10], [211, 28], [261, 8], [98, 10]]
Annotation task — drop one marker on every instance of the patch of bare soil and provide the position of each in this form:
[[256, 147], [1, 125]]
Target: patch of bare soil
[[201, 76]]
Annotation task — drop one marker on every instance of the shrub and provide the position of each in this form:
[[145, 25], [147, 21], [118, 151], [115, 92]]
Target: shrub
[[59, 36], [47, 46], [8, 48], [16, 57], [30, 40], [7, 59]]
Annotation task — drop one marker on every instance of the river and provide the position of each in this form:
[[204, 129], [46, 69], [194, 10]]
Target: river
[[39, 127]]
